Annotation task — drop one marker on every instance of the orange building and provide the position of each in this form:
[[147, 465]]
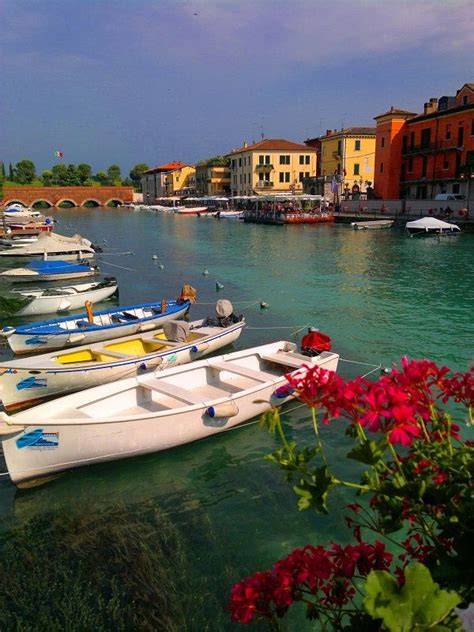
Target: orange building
[[422, 155]]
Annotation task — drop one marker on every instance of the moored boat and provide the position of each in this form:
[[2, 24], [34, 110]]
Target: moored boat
[[431, 226], [49, 271], [376, 224], [92, 326], [152, 412], [30, 380], [54, 246], [64, 299]]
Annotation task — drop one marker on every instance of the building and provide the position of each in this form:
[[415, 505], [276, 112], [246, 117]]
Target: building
[[213, 177], [419, 156], [174, 178], [271, 166]]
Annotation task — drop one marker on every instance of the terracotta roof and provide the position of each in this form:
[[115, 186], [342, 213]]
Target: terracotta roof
[[273, 143], [170, 166], [395, 111], [466, 85]]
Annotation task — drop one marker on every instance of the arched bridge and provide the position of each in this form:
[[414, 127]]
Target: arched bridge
[[73, 196]]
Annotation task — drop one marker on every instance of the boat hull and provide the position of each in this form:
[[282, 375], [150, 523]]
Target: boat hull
[[31, 341], [65, 302], [21, 387], [41, 450], [35, 278]]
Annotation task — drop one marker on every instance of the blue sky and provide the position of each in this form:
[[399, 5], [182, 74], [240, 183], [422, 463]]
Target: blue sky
[[153, 81]]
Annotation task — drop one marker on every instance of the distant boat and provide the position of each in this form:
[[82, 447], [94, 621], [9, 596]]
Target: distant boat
[[27, 381], [191, 210], [84, 328], [63, 299], [49, 271], [54, 246], [16, 211], [431, 226], [373, 224], [152, 412]]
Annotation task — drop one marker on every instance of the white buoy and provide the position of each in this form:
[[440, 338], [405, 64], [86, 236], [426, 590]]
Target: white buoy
[[155, 257], [219, 286], [161, 266], [205, 271], [264, 305]]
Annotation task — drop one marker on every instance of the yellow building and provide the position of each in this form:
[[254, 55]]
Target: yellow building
[[350, 155], [271, 166], [181, 181], [212, 177]]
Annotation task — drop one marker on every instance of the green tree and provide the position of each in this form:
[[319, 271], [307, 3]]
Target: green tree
[[2, 171], [84, 172], [101, 177], [136, 173], [60, 175], [113, 174], [25, 172], [47, 178], [11, 173], [73, 179]]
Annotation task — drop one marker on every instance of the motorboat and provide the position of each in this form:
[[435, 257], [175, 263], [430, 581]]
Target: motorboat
[[153, 412], [62, 299], [36, 271], [54, 246], [431, 226], [376, 224], [28, 381], [92, 326], [18, 212], [191, 210]]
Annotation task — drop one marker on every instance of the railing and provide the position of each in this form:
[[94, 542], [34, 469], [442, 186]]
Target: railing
[[262, 167], [441, 145], [264, 184]]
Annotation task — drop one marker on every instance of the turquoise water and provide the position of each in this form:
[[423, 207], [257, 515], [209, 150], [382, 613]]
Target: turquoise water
[[379, 295]]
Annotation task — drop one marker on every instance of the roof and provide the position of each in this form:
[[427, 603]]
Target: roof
[[350, 131], [396, 111], [170, 166], [273, 143], [466, 85]]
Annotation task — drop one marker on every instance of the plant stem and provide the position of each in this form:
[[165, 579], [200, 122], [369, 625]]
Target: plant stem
[[316, 431]]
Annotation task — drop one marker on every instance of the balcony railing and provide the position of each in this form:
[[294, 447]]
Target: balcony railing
[[262, 167], [264, 184], [336, 155], [428, 148]]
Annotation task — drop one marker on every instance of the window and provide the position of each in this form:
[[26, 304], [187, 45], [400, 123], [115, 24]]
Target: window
[[261, 160], [424, 166], [465, 100], [425, 137], [284, 160], [381, 167], [339, 147], [445, 163], [472, 127], [382, 141], [412, 140], [234, 164], [304, 159], [356, 169], [306, 174], [267, 159], [240, 162], [357, 145], [410, 165], [260, 176], [301, 175], [456, 188], [284, 176], [448, 132]]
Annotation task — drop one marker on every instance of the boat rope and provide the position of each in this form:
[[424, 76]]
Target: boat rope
[[125, 252], [115, 265]]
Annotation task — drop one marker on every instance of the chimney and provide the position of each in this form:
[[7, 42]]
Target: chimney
[[328, 132], [246, 144], [430, 106]]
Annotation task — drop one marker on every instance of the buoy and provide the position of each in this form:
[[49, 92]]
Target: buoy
[[229, 409], [161, 266], [205, 271], [155, 257], [219, 286], [264, 305]]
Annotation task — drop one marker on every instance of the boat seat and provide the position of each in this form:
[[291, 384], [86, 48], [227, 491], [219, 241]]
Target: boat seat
[[259, 376], [83, 324], [123, 317], [174, 391], [285, 358]]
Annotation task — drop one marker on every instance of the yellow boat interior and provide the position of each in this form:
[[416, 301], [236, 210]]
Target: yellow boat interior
[[131, 347]]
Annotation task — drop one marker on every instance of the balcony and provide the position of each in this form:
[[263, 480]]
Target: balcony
[[336, 155], [261, 167], [429, 148], [264, 184]]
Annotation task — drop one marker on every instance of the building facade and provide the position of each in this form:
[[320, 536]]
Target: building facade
[[419, 156], [173, 178], [271, 166], [212, 178]]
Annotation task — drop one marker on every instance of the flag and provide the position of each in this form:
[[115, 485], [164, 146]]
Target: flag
[[59, 154], [334, 185]]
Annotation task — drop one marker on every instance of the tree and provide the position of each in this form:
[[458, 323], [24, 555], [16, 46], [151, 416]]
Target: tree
[[84, 172], [25, 172], [73, 179], [113, 174], [11, 173], [47, 178], [60, 175], [136, 172], [2, 171], [101, 177]]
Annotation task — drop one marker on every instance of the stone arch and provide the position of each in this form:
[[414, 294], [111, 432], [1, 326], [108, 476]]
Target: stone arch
[[42, 201], [66, 201], [14, 201], [114, 202], [91, 202]]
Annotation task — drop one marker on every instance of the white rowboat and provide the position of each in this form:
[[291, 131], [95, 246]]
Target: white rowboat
[[150, 413], [30, 380]]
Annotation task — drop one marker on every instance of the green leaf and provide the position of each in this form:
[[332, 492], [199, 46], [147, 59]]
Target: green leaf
[[419, 605], [270, 419], [369, 452], [313, 491]]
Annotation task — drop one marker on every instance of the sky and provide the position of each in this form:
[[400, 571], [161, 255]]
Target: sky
[[141, 81]]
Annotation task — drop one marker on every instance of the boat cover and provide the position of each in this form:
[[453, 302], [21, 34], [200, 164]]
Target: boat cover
[[176, 330], [430, 223], [55, 267], [54, 242]]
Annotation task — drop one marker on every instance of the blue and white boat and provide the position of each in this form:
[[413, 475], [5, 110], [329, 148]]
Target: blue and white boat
[[93, 327], [49, 271]]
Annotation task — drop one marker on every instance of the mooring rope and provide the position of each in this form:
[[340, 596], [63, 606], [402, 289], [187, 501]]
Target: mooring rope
[[115, 265]]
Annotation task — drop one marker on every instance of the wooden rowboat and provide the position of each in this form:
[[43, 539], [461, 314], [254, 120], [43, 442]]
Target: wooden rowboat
[[30, 380], [152, 412], [103, 325]]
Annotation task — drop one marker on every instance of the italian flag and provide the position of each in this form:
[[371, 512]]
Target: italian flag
[[59, 154]]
